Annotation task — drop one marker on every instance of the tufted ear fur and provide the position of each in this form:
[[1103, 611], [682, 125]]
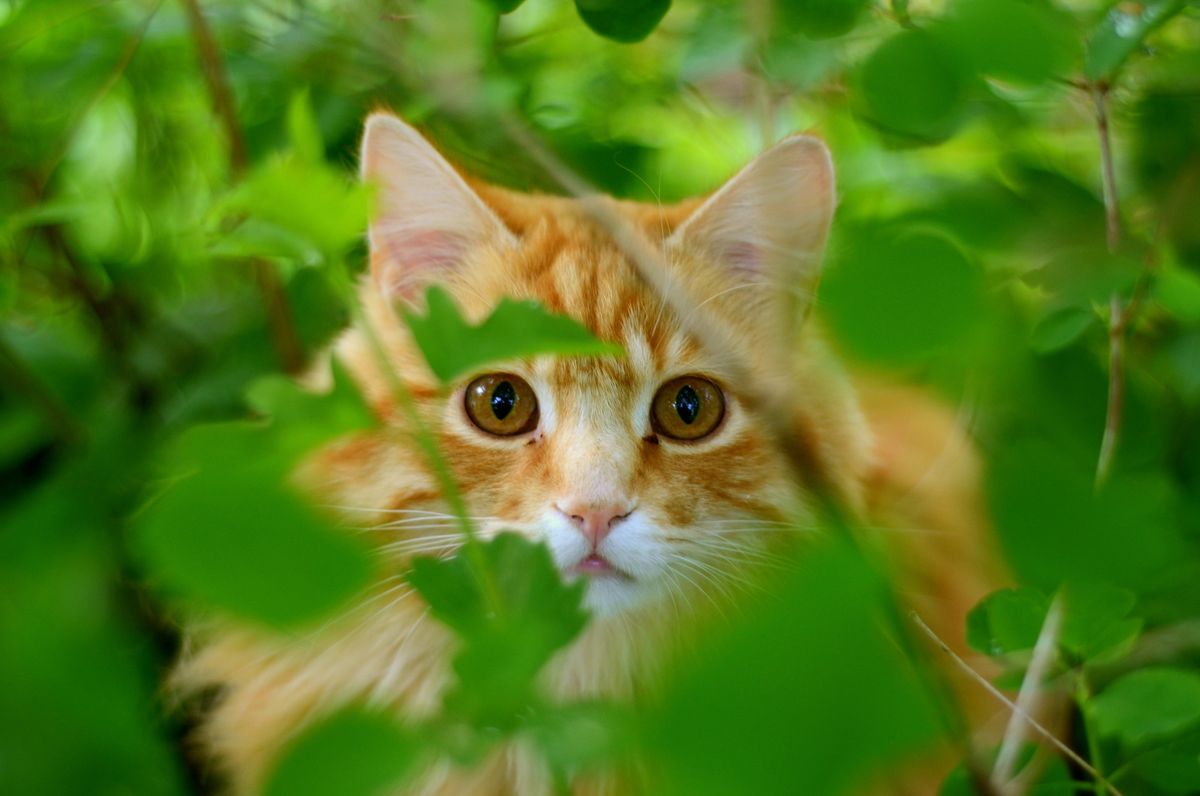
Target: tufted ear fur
[[427, 218], [770, 221]]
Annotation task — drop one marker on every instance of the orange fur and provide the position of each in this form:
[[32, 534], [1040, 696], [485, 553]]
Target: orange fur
[[904, 459]]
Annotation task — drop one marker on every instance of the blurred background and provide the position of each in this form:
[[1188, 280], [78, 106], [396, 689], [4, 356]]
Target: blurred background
[[1018, 230]]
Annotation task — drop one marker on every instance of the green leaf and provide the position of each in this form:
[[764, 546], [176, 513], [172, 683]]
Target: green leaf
[[914, 87], [1148, 704], [453, 347], [796, 697], [303, 131], [505, 644], [626, 21], [307, 199], [1007, 621], [902, 298], [504, 6], [1121, 32], [1054, 527], [229, 534], [1060, 328], [1024, 42], [1174, 766], [1178, 291], [302, 418], [820, 19], [1096, 627], [354, 752]]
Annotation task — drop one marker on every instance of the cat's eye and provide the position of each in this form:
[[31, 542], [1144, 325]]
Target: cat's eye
[[502, 404], [687, 408]]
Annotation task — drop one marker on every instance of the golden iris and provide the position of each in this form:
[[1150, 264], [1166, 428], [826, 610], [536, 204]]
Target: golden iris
[[502, 404], [687, 408]]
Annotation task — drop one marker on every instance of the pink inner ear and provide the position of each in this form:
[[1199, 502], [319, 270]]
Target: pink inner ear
[[743, 256], [417, 257]]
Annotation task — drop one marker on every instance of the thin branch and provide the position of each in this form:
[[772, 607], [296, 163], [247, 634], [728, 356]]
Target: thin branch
[[1037, 726], [1028, 697], [1116, 312], [279, 315]]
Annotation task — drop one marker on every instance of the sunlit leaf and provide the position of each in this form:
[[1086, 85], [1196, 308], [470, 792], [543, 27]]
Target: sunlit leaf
[[1122, 31], [1148, 704], [453, 347], [355, 752], [303, 132]]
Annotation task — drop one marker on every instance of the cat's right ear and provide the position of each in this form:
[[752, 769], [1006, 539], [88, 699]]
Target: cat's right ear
[[427, 219]]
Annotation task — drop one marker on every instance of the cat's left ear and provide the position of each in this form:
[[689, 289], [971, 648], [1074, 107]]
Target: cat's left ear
[[770, 221]]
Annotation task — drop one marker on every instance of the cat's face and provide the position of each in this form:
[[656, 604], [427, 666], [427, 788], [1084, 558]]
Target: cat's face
[[644, 474]]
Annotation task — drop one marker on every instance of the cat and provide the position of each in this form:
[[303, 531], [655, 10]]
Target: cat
[[646, 475]]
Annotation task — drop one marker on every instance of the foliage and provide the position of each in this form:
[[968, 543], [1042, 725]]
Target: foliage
[[180, 231]]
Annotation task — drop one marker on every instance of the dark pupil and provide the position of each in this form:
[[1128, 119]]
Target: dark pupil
[[504, 397], [687, 404]]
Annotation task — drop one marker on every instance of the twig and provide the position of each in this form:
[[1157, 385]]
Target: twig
[[1027, 697], [1037, 726], [1116, 312], [279, 316]]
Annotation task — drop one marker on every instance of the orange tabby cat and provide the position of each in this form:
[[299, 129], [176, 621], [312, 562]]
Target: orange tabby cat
[[646, 474]]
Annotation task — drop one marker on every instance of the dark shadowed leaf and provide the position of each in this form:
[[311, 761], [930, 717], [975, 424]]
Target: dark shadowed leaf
[[453, 347], [798, 698], [625, 21], [820, 19], [1121, 32], [355, 752], [1148, 704]]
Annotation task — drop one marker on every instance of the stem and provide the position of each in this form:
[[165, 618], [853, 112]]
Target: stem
[[1116, 312], [1083, 694], [1027, 697], [279, 316], [1037, 726], [423, 436]]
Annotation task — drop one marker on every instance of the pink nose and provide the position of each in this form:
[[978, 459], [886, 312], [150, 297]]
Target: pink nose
[[595, 521]]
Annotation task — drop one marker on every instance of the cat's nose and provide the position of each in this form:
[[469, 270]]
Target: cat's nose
[[593, 520]]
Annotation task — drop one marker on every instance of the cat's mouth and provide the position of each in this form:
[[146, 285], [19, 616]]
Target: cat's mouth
[[597, 566]]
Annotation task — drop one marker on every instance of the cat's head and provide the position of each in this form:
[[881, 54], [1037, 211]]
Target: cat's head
[[645, 474]]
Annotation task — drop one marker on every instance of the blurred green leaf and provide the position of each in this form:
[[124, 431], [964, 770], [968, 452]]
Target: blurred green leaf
[[1006, 621], [1178, 291], [1025, 42], [914, 87], [1096, 625], [230, 534], [1054, 528], [1121, 32], [303, 131], [820, 19], [504, 644], [625, 21], [902, 297], [796, 698], [1061, 327], [1173, 766], [505, 6], [354, 752], [1148, 704], [302, 418], [453, 347]]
